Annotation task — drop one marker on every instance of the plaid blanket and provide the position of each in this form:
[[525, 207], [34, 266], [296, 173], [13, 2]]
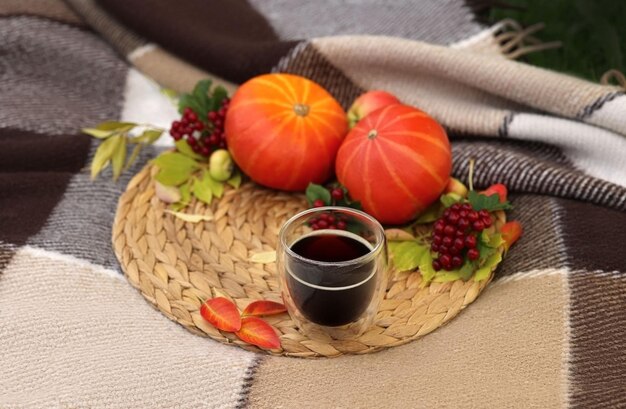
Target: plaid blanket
[[548, 332]]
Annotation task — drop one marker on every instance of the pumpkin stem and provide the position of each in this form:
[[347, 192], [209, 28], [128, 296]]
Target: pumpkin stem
[[372, 134], [301, 109]]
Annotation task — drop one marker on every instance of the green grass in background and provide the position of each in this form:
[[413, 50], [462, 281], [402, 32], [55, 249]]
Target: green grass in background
[[593, 33]]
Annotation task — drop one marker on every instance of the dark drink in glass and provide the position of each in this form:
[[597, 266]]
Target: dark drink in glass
[[331, 279]]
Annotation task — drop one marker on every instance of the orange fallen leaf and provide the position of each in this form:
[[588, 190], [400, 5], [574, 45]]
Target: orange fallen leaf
[[257, 332], [264, 308], [511, 231], [221, 313]]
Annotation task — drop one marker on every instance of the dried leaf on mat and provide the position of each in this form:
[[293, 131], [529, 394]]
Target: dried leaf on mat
[[191, 218]]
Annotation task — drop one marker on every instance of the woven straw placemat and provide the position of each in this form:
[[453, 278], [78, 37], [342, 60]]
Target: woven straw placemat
[[177, 265]]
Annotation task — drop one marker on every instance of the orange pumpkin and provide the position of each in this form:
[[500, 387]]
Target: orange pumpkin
[[396, 161], [284, 131]]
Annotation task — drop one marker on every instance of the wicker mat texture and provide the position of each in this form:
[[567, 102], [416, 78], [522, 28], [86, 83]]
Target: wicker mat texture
[[177, 265]]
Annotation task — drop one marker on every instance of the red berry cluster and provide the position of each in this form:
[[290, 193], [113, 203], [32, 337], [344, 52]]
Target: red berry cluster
[[328, 221], [336, 194], [203, 135], [455, 235]]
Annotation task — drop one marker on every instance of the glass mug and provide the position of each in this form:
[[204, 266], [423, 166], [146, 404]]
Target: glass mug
[[331, 280]]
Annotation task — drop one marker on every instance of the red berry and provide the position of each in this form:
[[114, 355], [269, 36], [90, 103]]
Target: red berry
[[453, 251], [438, 227], [457, 261], [449, 230], [447, 241], [478, 225], [341, 225], [436, 265], [487, 221], [462, 224], [175, 124], [191, 116], [332, 227], [313, 220], [218, 122], [459, 243], [187, 110], [177, 136], [212, 116], [435, 248], [337, 193], [472, 216], [214, 140], [331, 219], [322, 224], [472, 254], [199, 126], [484, 213], [221, 112], [191, 141], [443, 249], [324, 216], [446, 213], [446, 261], [453, 217], [196, 148], [437, 239], [205, 151], [318, 203], [456, 206], [314, 226], [463, 213], [460, 233], [466, 206], [470, 242]]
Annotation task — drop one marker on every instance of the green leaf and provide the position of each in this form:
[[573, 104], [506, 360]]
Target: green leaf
[[492, 261], [217, 188], [446, 276], [219, 94], [449, 199], [133, 156], [183, 147], [115, 126], [463, 273], [406, 254], [489, 203], [174, 168], [467, 269], [185, 196], [97, 133], [315, 192], [201, 189], [118, 158], [103, 154], [175, 160], [173, 176], [426, 268], [235, 180]]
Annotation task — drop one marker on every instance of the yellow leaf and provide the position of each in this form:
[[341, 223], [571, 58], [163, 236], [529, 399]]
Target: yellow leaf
[[265, 257], [104, 153], [191, 218]]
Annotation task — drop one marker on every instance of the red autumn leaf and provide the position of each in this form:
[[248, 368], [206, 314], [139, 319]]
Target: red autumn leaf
[[497, 189], [257, 332], [264, 308], [222, 314], [511, 231]]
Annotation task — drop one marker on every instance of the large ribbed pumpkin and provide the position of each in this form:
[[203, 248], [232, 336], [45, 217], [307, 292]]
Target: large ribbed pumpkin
[[284, 131], [396, 161]]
